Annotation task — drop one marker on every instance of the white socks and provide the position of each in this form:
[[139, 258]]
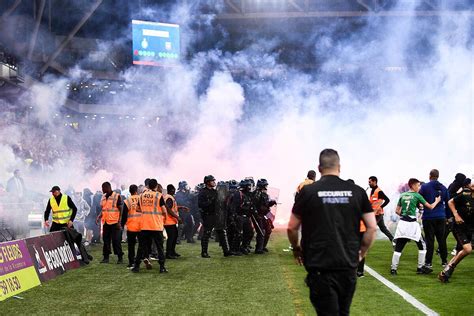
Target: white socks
[[421, 258], [396, 259]]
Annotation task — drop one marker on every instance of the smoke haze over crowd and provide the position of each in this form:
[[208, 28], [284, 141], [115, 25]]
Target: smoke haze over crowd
[[394, 96]]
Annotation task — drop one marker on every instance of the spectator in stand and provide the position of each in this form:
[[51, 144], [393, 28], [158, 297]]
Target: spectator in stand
[[83, 210], [16, 185], [96, 211], [89, 222], [434, 220]]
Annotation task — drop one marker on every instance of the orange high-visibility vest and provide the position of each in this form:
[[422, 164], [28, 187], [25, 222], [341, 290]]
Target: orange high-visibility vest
[[170, 220], [110, 211], [376, 202], [134, 216], [152, 216], [302, 184]]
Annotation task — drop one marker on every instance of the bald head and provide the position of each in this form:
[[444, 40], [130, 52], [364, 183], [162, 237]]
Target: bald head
[[329, 162]]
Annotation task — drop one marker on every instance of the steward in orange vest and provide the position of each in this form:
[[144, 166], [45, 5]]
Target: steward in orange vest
[[171, 221], [132, 217], [379, 200], [310, 178], [153, 209], [111, 228]]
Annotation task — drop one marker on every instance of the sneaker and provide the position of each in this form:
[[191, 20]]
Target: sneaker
[[87, 243], [360, 274], [393, 272], [228, 253], [237, 253], [454, 252], [135, 269], [265, 249], [129, 266], [419, 270], [205, 255], [427, 269], [259, 252], [105, 260], [163, 269], [177, 254], [147, 263], [444, 264], [154, 257]]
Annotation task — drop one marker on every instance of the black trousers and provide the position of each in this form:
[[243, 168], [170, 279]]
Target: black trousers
[[172, 232], [145, 240], [209, 222], [260, 239], [435, 228], [268, 231], [331, 292], [112, 234], [55, 227], [247, 233], [383, 228], [132, 239]]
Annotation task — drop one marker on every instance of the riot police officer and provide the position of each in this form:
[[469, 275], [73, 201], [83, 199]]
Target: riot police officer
[[208, 203], [184, 200], [242, 209], [263, 223]]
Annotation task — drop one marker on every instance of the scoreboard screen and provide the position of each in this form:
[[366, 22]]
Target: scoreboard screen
[[155, 44]]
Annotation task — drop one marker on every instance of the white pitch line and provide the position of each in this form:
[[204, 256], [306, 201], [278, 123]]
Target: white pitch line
[[407, 297]]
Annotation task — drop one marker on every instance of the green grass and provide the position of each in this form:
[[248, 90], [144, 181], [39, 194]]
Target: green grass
[[268, 284]]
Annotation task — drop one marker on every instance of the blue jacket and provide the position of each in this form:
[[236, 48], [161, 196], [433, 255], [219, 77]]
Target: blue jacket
[[430, 191]]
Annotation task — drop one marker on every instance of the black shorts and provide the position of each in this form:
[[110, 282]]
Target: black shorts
[[462, 233]]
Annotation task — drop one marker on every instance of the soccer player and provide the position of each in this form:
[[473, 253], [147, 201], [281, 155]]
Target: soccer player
[[463, 211], [408, 228]]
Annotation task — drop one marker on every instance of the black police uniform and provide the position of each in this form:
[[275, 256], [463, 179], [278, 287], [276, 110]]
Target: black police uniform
[[207, 201], [242, 207], [262, 205], [330, 211], [184, 198]]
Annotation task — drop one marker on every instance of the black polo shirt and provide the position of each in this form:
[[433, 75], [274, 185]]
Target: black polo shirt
[[330, 210]]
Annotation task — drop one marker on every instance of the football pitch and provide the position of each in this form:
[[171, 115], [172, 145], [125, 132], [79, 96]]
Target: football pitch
[[269, 284]]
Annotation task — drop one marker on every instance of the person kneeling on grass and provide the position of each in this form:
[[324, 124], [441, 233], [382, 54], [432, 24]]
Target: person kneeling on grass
[[462, 207], [408, 228]]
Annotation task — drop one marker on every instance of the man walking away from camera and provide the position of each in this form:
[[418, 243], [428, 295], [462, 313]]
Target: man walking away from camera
[[329, 213]]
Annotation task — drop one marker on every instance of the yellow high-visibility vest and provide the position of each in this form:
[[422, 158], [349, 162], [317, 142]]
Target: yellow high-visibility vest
[[61, 213]]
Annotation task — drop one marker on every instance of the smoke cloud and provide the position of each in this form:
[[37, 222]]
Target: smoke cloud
[[392, 95]]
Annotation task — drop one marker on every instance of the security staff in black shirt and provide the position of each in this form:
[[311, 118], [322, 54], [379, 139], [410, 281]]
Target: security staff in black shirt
[[329, 213]]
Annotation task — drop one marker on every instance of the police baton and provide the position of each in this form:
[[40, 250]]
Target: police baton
[[255, 223]]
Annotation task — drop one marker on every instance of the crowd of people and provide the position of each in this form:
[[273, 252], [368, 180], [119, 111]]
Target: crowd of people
[[335, 214], [234, 212]]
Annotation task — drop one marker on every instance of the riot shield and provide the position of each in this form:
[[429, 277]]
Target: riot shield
[[273, 194], [221, 206]]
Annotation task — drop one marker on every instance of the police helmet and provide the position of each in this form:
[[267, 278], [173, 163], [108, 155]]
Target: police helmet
[[182, 185], [209, 178], [245, 184], [262, 183], [233, 184], [199, 187]]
